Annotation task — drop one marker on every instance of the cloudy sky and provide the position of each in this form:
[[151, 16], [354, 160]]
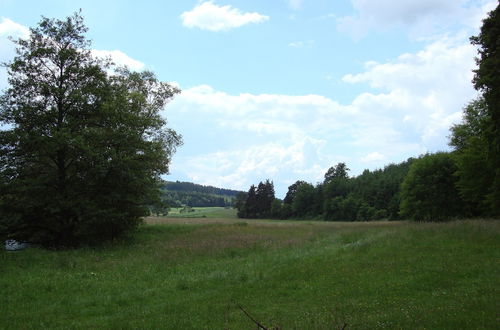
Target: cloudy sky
[[284, 89]]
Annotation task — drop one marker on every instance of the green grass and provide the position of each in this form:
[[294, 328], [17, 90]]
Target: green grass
[[292, 276], [204, 212]]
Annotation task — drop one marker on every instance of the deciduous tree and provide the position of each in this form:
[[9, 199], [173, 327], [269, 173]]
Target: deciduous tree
[[84, 150], [487, 81], [429, 191]]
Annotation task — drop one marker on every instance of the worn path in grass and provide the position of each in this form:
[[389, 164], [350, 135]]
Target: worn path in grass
[[292, 275]]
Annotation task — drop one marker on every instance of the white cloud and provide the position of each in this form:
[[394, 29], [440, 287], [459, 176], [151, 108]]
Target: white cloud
[[411, 102], [420, 17], [241, 167], [427, 90], [11, 28], [295, 4], [373, 157], [120, 59], [209, 16]]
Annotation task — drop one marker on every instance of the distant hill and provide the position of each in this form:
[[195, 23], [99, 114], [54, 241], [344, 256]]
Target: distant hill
[[178, 194]]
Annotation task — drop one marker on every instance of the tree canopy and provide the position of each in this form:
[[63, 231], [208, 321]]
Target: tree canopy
[[428, 192], [85, 143], [487, 81]]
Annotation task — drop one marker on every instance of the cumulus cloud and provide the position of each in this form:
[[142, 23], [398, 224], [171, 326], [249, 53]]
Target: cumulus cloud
[[119, 58], [241, 167], [209, 16], [11, 28], [410, 103], [426, 89], [421, 17], [373, 157]]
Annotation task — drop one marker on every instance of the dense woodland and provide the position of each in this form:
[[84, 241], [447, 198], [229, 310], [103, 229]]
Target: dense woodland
[[177, 194], [370, 196], [464, 182]]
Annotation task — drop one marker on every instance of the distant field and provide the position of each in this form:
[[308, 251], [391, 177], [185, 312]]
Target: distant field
[[291, 275], [204, 212]]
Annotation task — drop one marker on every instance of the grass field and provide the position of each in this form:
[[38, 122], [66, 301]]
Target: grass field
[[291, 275], [204, 212]]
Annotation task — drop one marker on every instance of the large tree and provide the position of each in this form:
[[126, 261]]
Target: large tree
[[475, 172], [428, 193], [85, 143], [339, 171], [487, 81]]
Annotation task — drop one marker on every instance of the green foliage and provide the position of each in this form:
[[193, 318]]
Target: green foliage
[[487, 81], [339, 171], [472, 153], [276, 209], [84, 150], [370, 196], [429, 190], [177, 194], [302, 205], [292, 190], [258, 202]]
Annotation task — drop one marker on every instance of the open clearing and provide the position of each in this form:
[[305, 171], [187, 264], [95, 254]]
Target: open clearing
[[194, 273], [203, 212]]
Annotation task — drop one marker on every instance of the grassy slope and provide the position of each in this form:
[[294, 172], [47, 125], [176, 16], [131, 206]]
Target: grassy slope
[[296, 276]]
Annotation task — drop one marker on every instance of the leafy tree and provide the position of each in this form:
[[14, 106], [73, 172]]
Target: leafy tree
[[265, 198], [276, 209], [304, 200], [292, 190], [258, 202], [83, 151], [487, 81], [248, 209], [470, 140], [240, 200], [429, 190], [339, 171]]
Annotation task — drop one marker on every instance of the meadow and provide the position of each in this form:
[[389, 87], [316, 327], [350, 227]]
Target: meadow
[[203, 212], [205, 273]]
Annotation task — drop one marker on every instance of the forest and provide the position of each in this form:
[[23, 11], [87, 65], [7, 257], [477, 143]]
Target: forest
[[178, 194]]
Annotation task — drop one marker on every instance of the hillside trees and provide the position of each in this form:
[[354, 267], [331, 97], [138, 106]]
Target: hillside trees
[[83, 150]]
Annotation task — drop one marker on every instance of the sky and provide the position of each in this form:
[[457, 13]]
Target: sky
[[285, 89]]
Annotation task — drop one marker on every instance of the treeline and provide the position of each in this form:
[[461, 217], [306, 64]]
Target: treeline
[[370, 196], [462, 183], [193, 187], [178, 194]]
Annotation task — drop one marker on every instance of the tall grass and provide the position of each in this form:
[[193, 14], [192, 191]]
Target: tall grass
[[296, 276]]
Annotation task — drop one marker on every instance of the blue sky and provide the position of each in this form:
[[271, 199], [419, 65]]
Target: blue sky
[[284, 89]]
